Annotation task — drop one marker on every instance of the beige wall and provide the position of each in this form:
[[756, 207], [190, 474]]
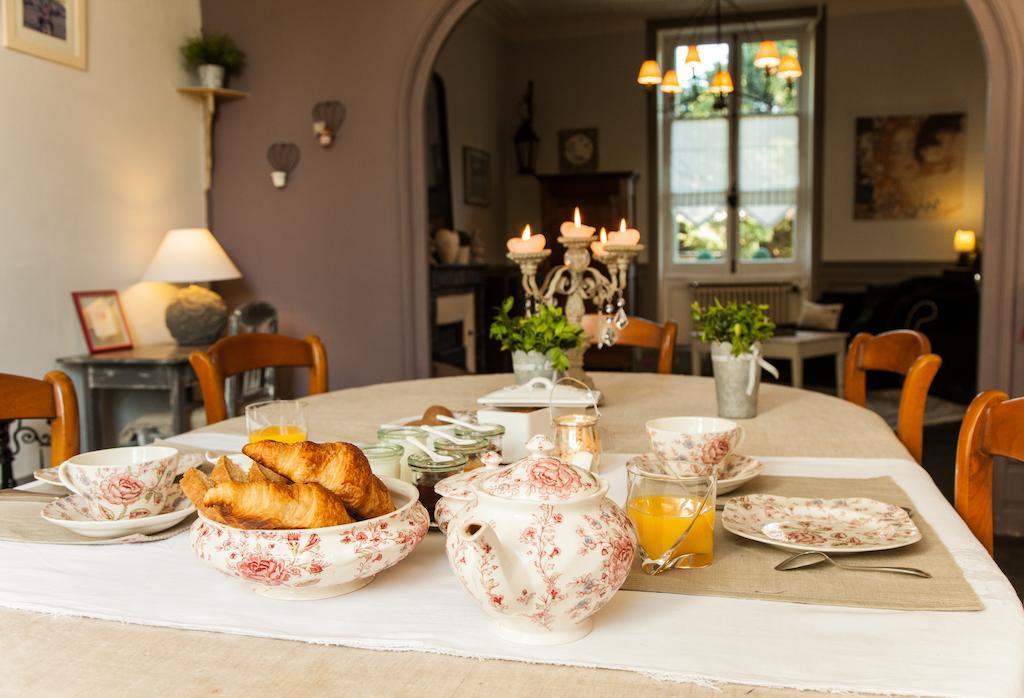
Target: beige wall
[[890, 63]]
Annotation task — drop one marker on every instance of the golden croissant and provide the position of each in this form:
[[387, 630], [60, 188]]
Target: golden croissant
[[195, 483], [340, 467], [265, 504]]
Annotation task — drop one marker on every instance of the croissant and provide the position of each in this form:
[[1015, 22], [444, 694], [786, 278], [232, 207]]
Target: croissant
[[340, 467], [195, 483], [265, 504]]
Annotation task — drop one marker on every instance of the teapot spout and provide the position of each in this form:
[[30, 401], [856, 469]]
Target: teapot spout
[[501, 576]]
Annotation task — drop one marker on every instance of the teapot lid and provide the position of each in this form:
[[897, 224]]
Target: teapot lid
[[460, 486], [541, 478]]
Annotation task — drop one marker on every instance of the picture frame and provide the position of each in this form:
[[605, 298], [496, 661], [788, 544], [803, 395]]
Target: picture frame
[[103, 321], [476, 176], [54, 30]]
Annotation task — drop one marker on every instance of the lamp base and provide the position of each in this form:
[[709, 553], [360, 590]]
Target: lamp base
[[197, 316]]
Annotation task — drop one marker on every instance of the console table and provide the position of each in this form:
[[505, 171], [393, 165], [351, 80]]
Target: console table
[[162, 367]]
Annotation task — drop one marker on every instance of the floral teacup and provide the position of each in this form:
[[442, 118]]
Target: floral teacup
[[700, 443], [122, 483]]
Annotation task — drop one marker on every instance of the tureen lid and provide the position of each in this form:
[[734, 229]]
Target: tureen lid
[[460, 486], [541, 478]]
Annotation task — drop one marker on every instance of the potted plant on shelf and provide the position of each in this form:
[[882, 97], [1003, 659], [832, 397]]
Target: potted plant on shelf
[[538, 342], [735, 332], [213, 57]]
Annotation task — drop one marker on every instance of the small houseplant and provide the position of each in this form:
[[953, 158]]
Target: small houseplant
[[735, 332], [538, 342], [213, 57]]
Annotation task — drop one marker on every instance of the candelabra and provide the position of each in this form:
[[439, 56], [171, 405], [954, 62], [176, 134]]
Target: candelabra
[[579, 282]]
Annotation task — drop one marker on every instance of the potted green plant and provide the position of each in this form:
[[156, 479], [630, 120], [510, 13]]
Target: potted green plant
[[213, 57], [735, 332], [538, 342]]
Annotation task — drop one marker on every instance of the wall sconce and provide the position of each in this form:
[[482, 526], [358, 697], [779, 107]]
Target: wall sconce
[[283, 157], [327, 118], [526, 138]]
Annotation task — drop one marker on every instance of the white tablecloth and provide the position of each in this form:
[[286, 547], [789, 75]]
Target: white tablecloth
[[418, 605]]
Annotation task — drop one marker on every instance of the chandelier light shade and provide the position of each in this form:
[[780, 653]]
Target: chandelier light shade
[[650, 73], [789, 67], [692, 56], [670, 83], [721, 84], [767, 55], [964, 241]]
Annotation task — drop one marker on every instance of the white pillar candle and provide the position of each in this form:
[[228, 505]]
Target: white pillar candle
[[624, 235], [527, 242], [597, 247], [575, 227]]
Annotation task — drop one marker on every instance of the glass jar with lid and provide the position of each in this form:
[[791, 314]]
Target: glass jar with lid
[[398, 436], [385, 458], [427, 472], [494, 433], [472, 451]]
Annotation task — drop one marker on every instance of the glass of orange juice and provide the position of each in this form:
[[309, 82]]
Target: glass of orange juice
[[673, 512], [276, 420]]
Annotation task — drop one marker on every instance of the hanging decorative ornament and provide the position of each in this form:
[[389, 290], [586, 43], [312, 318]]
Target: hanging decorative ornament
[[283, 157], [327, 118], [621, 319]]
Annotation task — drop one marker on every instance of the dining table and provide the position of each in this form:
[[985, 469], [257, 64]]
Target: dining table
[[731, 647]]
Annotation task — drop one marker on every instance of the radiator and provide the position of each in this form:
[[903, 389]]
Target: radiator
[[777, 296]]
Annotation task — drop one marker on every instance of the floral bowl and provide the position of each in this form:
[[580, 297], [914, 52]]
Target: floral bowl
[[315, 563]]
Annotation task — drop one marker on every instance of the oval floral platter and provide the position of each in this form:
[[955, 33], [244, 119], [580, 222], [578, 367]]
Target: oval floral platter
[[850, 525]]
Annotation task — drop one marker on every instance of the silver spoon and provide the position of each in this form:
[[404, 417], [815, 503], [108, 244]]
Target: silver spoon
[[811, 558]]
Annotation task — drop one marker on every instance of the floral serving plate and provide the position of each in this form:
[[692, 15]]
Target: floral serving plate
[[850, 525], [72, 513], [734, 471]]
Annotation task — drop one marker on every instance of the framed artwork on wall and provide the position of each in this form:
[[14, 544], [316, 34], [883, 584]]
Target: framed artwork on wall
[[50, 29], [577, 150], [102, 319], [909, 167], [476, 176]]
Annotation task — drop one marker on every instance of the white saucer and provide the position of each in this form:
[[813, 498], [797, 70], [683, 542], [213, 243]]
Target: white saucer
[[47, 475], [70, 513], [733, 472]]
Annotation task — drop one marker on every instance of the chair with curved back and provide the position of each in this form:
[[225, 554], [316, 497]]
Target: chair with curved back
[[260, 384], [237, 354], [51, 398], [642, 333], [993, 426], [906, 352]]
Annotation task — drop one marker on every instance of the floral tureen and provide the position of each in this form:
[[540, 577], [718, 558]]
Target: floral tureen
[[541, 547]]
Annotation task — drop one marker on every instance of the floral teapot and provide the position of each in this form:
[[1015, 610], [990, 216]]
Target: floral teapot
[[542, 548]]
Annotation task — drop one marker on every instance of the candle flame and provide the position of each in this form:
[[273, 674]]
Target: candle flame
[[576, 217], [526, 233], [604, 235], [622, 226]]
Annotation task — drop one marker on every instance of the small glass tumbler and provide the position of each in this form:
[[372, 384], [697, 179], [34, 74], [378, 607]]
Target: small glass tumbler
[[427, 472], [673, 515], [276, 420], [399, 436]]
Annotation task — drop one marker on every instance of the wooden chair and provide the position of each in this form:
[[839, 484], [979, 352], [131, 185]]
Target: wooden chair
[[639, 333], [246, 352], [906, 352], [51, 398], [993, 426]]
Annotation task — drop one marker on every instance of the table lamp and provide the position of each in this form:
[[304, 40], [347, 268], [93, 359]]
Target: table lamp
[[197, 315], [965, 242]]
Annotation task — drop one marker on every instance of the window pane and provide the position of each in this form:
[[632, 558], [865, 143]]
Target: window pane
[[763, 94], [769, 177], [698, 182], [695, 101]]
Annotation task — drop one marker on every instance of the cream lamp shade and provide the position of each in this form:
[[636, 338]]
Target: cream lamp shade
[[189, 255], [964, 241], [670, 83], [692, 56], [650, 73], [721, 83], [789, 67], [767, 55]]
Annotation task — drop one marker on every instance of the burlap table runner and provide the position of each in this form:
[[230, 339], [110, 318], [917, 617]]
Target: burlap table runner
[[745, 569], [20, 522]]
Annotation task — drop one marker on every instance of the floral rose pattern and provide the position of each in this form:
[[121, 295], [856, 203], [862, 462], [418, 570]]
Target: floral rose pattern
[[121, 489], [540, 478], [115, 493], [703, 453], [715, 450], [834, 524]]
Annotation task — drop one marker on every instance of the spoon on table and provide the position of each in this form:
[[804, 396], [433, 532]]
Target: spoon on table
[[811, 558], [435, 456], [461, 423], [459, 440]]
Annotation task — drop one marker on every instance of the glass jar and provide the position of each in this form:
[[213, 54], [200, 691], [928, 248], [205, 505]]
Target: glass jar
[[385, 458], [494, 434], [426, 473], [471, 451], [398, 436]]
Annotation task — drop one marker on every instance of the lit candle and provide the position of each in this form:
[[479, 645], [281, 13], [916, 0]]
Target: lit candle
[[576, 229], [624, 235], [597, 247], [528, 242]]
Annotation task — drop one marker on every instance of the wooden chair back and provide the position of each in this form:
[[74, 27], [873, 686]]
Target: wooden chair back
[[906, 352], [51, 398], [239, 353], [993, 426], [639, 333]]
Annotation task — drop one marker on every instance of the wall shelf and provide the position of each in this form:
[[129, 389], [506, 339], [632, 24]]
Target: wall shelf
[[210, 96]]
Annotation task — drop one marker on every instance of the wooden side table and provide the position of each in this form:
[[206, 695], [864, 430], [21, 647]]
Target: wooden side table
[[162, 367], [803, 344]]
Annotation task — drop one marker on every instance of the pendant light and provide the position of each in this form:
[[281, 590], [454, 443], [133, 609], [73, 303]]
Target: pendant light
[[789, 67], [721, 84], [650, 74], [692, 57], [670, 83], [767, 55]]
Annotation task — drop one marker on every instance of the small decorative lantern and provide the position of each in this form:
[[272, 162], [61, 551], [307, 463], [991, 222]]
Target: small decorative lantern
[[283, 157], [526, 139], [327, 118], [576, 438]]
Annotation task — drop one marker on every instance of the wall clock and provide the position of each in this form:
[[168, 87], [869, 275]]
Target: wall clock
[[577, 150]]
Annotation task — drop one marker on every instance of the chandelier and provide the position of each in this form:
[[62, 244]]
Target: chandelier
[[784, 67]]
